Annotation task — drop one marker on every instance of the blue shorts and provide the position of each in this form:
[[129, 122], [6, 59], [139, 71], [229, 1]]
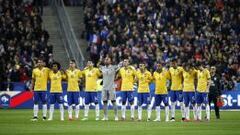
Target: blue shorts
[[161, 98], [143, 98], [189, 97], [176, 96], [201, 98], [91, 97], [56, 97], [127, 95], [40, 96], [73, 98]]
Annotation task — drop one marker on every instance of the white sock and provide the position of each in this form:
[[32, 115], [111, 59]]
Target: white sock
[[44, 110], [132, 111], [167, 113], [77, 108], [105, 110], [140, 112], [70, 108], [115, 110], [195, 111], [97, 110], [61, 111], [208, 111], [173, 105], [35, 110], [124, 111], [158, 112], [187, 113], [199, 112], [86, 109], [149, 111], [182, 109], [51, 110]]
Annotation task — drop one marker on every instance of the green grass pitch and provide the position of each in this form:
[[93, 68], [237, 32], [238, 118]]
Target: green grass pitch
[[17, 122]]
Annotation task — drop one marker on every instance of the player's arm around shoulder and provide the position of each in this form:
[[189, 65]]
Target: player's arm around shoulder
[[118, 74], [150, 77], [154, 77], [167, 74], [99, 72], [137, 73], [64, 75]]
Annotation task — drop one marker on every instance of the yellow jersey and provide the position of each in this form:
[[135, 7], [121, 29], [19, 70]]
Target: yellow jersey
[[188, 80], [56, 81], [203, 77], [41, 78], [127, 75], [143, 81], [99, 85], [176, 78], [91, 77], [161, 81], [73, 77]]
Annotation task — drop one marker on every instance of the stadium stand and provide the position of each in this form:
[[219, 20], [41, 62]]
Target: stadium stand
[[22, 41], [159, 30]]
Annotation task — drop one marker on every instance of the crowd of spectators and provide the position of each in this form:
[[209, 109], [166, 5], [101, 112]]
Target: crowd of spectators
[[162, 30], [22, 41]]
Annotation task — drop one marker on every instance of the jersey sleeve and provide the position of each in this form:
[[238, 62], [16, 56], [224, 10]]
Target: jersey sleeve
[[117, 67], [64, 76], [154, 75], [84, 72], [80, 74], [150, 77], [33, 74], [49, 75], [98, 72], [168, 75], [100, 68], [195, 73], [119, 74], [137, 74], [48, 70], [208, 74]]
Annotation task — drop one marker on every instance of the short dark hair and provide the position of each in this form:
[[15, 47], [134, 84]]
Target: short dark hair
[[72, 60], [56, 63], [174, 60]]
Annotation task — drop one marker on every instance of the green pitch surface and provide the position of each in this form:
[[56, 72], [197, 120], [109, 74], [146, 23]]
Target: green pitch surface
[[18, 122]]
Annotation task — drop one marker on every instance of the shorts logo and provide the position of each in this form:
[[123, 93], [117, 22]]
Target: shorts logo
[[61, 98], [95, 98], [148, 99], [180, 96]]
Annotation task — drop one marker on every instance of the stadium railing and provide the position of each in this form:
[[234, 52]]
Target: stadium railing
[[71, 42]]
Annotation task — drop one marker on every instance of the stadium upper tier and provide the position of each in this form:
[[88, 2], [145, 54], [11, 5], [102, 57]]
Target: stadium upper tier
[[159, 30]]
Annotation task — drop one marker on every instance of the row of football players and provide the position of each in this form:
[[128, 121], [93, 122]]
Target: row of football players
[[188, 85]]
